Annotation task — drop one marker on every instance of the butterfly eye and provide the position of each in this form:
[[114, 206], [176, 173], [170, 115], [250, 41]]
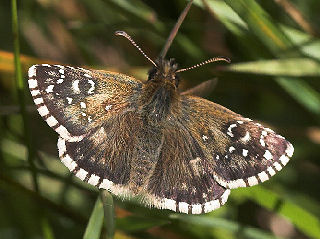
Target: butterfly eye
[[152, 73], [173, 63]]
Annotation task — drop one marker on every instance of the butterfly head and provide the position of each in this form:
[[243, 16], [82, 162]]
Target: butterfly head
[[165, 72]]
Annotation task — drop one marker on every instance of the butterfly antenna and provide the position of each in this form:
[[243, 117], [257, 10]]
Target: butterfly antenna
[[214, 59], [175, 30], [124, 34]]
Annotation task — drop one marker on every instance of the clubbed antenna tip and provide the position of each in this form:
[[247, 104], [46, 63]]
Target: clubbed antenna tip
[[214, 59], [124, 34]]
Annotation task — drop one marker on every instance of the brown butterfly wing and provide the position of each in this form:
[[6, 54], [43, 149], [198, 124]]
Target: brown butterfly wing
[[129, 157], [182, 179], [242, 152], [72, 100], [174, 165]]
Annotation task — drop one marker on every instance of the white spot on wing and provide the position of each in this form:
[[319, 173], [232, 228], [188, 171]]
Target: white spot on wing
[[284, 159], [253, 180], [60, 80], [35, 92], [204, 137], [231, 149], [263, 176], [106, 184], [69, 100], [64, 133], [38, 101], [267, 155], [183, 207], [91, 82], [75, 86], [93, 180], [269, 130], [271, 171], [32, 84], [87, 75], [169, 204], [229, 132], [50, 89], [212, 205], [277, 166], [290, 150], [43, 110], [246, 138], [236, 183], [51, 121], [61, 146], [245, 152], [69, 163], [83, 105], [32, 71], [82, 174], [196, 208], [263, 144], [108, 107], [225, 196]]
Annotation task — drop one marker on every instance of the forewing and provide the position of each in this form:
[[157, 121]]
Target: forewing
[[242, 152], [74, 100]]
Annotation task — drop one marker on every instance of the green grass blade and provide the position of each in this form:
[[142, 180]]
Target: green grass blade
[[47, 231], [135, 223], [302, 92], [230, 226], [280, 67], [260, 23], [306, 44], [108, 208], [276, 41], [94, 226], [302, 219], [20, 90], [137, 8]]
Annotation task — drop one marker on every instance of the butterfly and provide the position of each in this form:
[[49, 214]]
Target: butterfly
[[174, 150]]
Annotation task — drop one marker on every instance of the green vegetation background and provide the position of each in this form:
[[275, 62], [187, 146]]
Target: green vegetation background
[[273, 78]]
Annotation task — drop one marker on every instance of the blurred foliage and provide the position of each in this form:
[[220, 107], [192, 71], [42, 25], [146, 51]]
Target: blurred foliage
[[273, 78]]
